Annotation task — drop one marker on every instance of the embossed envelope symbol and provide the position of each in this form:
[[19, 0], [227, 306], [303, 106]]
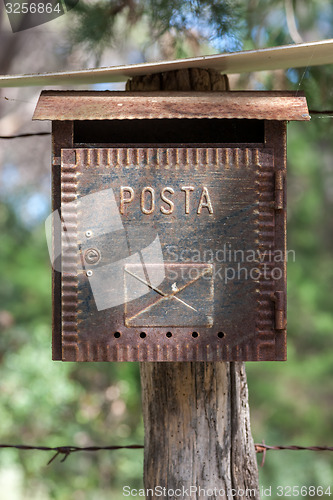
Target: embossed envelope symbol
[[184, 298]]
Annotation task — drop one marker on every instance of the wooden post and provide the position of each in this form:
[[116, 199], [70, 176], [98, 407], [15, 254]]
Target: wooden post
[[196, 415]]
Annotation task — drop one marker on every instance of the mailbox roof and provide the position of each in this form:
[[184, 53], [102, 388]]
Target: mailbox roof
[[109, 105]]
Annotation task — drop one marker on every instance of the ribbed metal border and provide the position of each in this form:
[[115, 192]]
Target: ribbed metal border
[[266, 337], [262, 345], [70, 268], [164, 158]]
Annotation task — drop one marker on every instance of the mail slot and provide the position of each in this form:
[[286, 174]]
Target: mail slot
[[169, 224]]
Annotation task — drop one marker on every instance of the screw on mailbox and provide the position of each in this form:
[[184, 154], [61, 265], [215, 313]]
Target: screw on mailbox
[[92, 256]]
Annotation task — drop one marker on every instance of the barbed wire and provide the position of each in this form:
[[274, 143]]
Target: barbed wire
[[319, 112], [19, 136], [262, 448], [68, 450], [327, 113]]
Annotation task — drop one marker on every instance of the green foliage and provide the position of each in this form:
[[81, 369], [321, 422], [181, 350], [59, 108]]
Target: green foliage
[[106, 23], [211, 19], [53, 403], [291, 403]]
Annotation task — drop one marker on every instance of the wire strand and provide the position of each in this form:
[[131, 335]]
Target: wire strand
[[263, 448], [65, 451], [326, 113], [19, 136]]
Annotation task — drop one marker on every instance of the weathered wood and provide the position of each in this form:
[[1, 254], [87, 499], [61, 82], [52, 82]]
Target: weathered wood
[[197, 429], [196, 415], [183, 79]]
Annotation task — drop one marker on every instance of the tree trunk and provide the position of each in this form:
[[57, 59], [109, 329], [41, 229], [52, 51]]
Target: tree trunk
[[196, 415], [197, 429]]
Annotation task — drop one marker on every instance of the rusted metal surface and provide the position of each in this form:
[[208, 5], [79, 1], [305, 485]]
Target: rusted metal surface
[[275, 138], [89, 105], [218, 215], [62, 137], [162, 283], [184, 298]]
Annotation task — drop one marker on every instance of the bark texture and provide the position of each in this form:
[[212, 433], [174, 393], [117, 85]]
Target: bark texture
[[197, 429], [196, 415], [197, 79]]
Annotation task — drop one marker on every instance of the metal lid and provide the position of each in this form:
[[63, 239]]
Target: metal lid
[[107, 105]]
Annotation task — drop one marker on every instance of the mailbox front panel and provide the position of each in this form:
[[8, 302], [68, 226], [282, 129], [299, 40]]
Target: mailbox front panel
[[172, 254]]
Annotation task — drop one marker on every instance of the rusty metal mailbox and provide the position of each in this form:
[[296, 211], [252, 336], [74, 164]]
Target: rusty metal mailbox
[[169, 218]]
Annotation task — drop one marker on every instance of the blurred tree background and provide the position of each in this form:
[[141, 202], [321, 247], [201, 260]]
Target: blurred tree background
[[53, 403]]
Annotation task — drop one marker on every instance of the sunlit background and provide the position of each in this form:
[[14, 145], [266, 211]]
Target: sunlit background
[[53, 403]]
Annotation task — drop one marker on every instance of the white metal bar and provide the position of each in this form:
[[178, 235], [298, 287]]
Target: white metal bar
[[282, 57]]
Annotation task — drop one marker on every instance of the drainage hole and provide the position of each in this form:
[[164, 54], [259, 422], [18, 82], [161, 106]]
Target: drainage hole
[[195, 335], [117, 335], [143, 335], [220, 335], [168, 334]]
